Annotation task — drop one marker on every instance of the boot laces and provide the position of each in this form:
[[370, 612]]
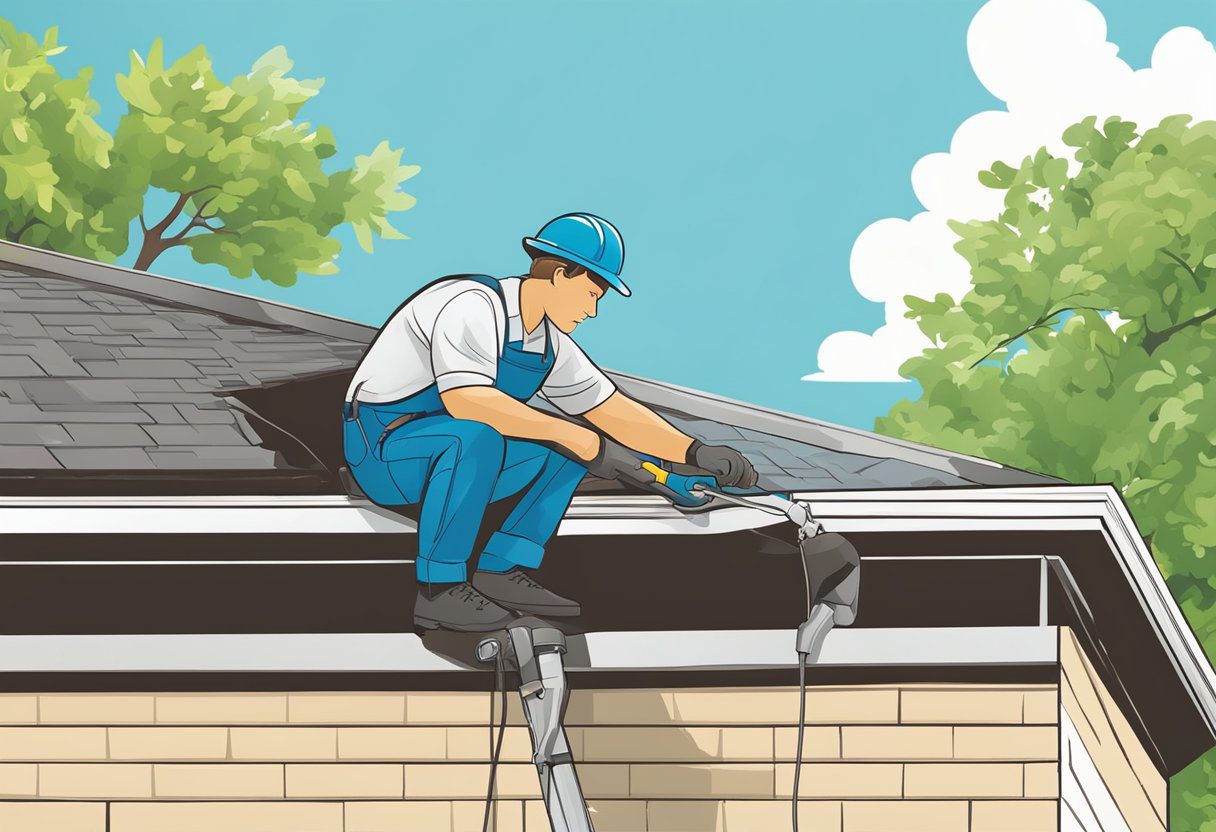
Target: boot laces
[[523, 578], [469, 595]]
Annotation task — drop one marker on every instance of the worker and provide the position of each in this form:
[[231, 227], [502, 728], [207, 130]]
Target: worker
[[437, 414]]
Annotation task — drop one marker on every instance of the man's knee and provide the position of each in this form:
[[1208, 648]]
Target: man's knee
[[477, 440]]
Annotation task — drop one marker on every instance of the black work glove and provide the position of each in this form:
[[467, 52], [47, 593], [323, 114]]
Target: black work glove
[[730, 467], [616, 462]]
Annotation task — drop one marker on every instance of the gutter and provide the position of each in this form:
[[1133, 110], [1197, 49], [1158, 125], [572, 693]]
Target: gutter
[[1097, 508], [708, 650]]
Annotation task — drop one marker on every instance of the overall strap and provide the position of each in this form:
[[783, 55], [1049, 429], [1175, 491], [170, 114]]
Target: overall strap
[[491, 283]]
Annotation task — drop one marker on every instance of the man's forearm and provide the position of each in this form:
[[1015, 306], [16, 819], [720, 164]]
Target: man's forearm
[[637, 426], [511, 417]]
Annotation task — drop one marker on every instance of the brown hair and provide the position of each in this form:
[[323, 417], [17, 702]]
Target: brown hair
[[545, 267]]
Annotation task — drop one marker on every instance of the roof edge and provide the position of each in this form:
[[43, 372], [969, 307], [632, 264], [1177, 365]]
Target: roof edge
[[172, 290], [833, 437]]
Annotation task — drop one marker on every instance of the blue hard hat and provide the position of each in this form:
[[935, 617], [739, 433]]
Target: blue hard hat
[[590, 241]]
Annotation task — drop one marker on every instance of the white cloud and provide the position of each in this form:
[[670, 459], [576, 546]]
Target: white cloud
[[1050, 63]]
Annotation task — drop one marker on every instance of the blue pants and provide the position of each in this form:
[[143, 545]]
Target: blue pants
[[455, 468]]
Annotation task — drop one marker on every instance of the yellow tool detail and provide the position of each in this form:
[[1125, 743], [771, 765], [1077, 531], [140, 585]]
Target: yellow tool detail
[[659, 474]]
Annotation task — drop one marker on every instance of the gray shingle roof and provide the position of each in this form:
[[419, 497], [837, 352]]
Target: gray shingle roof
[[95, 379], [107, 368]]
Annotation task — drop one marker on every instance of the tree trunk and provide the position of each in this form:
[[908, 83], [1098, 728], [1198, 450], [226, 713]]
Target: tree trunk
[[153, 247]]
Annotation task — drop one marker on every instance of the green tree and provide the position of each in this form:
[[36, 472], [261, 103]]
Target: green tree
[[249, 181], [54, 158], [1031, 369]]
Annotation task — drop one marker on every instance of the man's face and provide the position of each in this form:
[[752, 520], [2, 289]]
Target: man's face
[[574, 298]]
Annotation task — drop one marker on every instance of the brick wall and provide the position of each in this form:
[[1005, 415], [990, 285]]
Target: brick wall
[[1110, 777], [940, 758]]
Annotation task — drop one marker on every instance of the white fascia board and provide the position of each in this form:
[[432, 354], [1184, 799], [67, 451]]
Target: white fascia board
[[604, 651], [988, 509]]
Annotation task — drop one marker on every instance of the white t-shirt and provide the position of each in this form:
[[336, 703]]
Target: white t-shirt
[[450, 335]]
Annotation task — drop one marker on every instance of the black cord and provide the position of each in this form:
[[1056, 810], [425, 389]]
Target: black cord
[[500, 686], [801, 729]]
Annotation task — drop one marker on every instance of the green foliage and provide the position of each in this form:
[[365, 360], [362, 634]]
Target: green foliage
[[249, 177], [1027, 370], [54, 158]]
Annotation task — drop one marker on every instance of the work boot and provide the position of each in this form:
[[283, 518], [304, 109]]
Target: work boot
[[516, 591], [458, 607]]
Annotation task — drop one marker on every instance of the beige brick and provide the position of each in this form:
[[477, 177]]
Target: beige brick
[[221, 708], [18, 709], [1041, 780], [896, 742], [399, 816], [394, 743], [850, 706], [449, 708], [818, 743], [685, 816], [1014, 816], [468, 781], [766, 706], [537, 817], [815, 815], [1133, 780], [963, 780], [1041, 707], [961, 707], [95, 709], [678, 744], [18, 780], [344, 780], [1030, 742], [719, 781], [53, 817], [346, 708], [473, 744], [108, 780], [284, 743], [622, 707], [905, 816], [606, 815], [604, 780], [227, 780], [229, 817], [469, 815], [52, 743], [837, 780], [165, 743]]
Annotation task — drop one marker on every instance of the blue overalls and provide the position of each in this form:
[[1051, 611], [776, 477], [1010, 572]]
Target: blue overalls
[[456, 467]]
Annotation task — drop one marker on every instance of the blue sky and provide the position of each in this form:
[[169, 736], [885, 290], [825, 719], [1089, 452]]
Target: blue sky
[[740, 148]]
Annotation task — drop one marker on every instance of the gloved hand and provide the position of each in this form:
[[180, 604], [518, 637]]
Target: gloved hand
[[616, 462], [730, 467]]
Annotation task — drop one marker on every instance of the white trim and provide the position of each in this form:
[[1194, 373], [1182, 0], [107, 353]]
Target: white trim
[[1022, 508], [614, 651], [752, 649], [1087, 804]]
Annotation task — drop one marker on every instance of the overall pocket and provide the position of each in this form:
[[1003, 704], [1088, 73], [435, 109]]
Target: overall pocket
[[354, 440]]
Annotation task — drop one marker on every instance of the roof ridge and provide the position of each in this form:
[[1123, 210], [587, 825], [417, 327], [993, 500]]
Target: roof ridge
[[173, 290]]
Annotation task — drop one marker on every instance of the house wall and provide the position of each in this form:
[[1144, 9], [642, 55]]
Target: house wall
[[945, 758], [1109, 782]]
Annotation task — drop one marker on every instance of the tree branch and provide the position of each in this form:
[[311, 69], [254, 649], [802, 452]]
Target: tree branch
[[143, 224], [1182, 263], [30, 223], [1044, 320], [176, 211], [1153, 340]]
